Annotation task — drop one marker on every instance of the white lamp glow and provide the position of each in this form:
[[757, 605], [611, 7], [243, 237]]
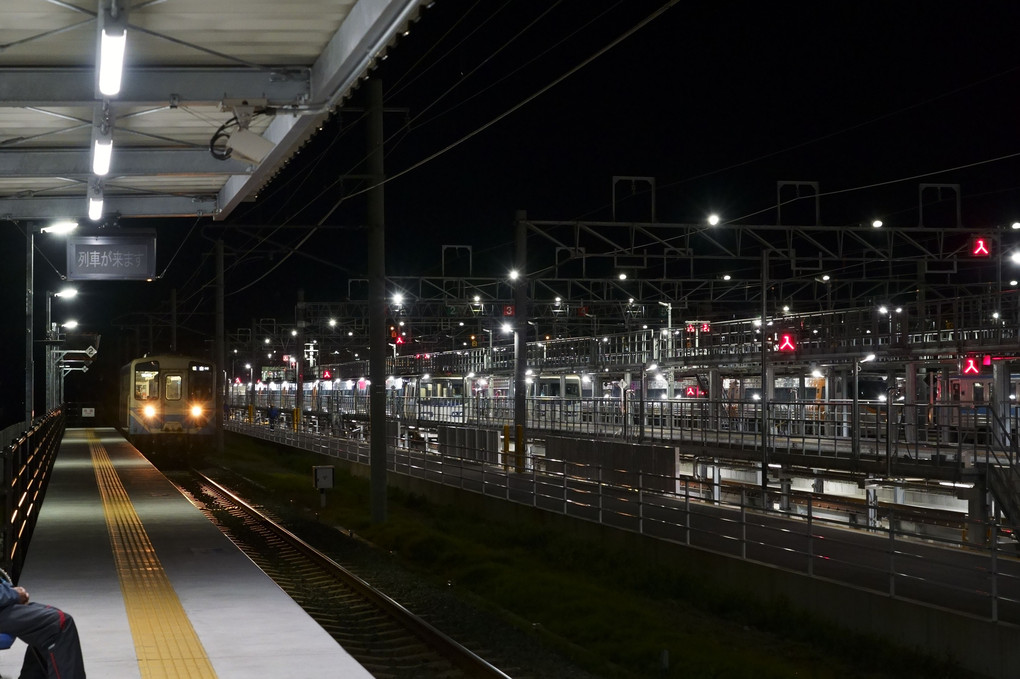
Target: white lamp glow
[[102, 152], [65, 226], [95, 207], [111, 60], [95, 195]]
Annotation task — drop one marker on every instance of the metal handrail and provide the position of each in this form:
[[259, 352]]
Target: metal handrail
[[636, 501], [27, 463]]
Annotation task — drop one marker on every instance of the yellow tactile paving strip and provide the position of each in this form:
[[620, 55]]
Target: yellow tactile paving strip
[[166, 643]]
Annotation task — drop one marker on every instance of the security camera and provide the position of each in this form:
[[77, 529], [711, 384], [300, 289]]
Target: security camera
[[249, 146]]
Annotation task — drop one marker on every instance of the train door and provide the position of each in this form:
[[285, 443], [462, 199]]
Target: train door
[[174, 406]]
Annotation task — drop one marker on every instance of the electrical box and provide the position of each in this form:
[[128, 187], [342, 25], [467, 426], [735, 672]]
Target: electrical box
[[323, 476]]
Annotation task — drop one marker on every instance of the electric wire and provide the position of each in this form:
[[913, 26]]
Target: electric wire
[[520, 67], [826, 136], [585, 62]]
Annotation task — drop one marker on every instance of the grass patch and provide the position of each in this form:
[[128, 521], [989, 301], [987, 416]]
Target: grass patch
[[625, 614]]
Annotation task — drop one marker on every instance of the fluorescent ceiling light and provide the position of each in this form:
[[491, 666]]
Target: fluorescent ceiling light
[[111, 60], [64, 226], [95, 201], [102, 152], [95, 207]]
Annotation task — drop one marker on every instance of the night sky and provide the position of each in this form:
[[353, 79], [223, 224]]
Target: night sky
[[716, 100]]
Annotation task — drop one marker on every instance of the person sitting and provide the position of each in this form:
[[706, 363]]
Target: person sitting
[[54, 650]]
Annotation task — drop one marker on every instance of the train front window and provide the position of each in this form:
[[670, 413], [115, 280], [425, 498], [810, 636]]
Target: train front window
[[172, 387], [200, 382], [147, 381]]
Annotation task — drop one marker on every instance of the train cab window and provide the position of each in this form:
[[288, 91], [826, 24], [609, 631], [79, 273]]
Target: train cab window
[[147, 380], [173, 387], [548, 388], [201, 381]]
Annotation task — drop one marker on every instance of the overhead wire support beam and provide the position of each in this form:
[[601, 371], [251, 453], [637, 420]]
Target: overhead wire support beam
[[57, 207], [195, 86], [130, 162]]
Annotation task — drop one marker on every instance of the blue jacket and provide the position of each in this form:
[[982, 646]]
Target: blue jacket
[[8, 597]]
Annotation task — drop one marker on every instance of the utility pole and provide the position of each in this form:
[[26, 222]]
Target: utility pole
[[764, 380], [377, 303], [520, 341], [219, 353]]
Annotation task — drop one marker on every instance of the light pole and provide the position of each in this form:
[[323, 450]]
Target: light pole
[[54, 395], [855, 432], [669, 347], [62, 227]]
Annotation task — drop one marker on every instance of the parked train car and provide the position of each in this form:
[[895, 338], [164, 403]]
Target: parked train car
[[167, 406]]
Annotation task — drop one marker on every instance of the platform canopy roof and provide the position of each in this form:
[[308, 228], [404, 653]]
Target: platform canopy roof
[[195, 72]]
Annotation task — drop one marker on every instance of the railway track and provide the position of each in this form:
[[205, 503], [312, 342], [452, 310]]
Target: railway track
[[386, 638]]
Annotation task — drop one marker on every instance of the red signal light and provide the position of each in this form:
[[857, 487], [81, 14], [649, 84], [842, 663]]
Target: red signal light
[[970, 366], [981, 247], [787, 342]]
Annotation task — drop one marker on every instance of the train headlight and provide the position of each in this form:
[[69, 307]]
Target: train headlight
[[196, 411], [149, 411]]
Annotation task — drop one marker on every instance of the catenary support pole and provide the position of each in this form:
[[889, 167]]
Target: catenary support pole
[[520, 341], [764, 380], [173, 320], [219, 353], [377, 302], [299, 362], [29, 320]]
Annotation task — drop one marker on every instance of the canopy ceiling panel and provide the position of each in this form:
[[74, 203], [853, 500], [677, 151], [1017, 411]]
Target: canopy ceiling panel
[[191, 68]]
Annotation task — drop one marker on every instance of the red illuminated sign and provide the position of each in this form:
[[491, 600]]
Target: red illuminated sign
[[980, 248], [399, 340], [694, 392], [787, 342], [327, 375], [706, 327], [970, 367]]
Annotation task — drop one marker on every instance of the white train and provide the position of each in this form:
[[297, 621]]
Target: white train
[[167, 405]]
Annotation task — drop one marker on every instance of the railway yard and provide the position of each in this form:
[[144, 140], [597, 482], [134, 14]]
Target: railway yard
[[547, 603]]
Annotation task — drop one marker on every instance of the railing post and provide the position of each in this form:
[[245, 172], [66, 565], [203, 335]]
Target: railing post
[[641, 502], [743, 524], [892, 563], [687, 510], [994, 567], [810, 538], [564, 487], [534, 487], [598, 475]]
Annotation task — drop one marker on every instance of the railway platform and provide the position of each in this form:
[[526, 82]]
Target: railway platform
[[156, 590]]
